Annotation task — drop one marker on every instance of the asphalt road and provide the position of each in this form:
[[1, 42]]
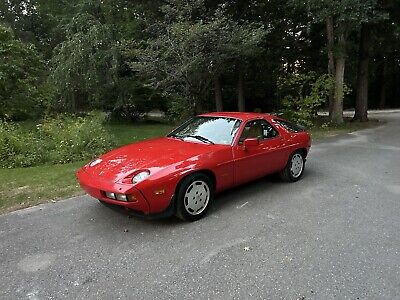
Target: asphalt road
[[334, 234]]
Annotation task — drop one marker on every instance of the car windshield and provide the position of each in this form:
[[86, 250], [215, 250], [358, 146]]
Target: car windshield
[[211, 130]]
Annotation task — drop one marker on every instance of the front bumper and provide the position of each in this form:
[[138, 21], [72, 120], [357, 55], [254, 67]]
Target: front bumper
[[96, 187]]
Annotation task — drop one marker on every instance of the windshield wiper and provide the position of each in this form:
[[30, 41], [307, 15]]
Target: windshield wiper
[[200, 138], [175, 136]]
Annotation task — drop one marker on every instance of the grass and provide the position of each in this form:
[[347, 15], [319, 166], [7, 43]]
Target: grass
[[24, 187], [128, 133]]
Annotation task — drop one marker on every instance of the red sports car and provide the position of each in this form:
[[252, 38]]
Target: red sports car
[[179, 174]]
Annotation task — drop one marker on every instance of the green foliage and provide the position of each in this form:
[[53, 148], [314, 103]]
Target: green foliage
[[88, 68], [188, 47], [54, 140], [19, 148], [303, 94], [131, 99], [21, 68], [178, 110], [129, 57], [72, 138], [350, 12], [84, 65]]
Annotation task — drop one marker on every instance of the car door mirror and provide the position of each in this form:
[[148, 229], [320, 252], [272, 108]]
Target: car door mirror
[[249, 143]]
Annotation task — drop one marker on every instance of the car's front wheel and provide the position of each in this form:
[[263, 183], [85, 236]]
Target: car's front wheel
[[294, 168], [194, 196]]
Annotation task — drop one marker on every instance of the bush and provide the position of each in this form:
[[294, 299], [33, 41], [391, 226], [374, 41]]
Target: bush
[[179, 110], [57, 140], [303, 94], [19, 148]]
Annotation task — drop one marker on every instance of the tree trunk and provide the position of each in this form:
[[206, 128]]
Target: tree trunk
[[240, 90], [337, 108], [218, 94], [73, 101], [361, 107], [197, 104], [330, 34], [382, 96]]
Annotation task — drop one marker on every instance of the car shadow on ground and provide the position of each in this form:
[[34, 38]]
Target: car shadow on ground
[[255, 193], [229, 199], [245, 192]]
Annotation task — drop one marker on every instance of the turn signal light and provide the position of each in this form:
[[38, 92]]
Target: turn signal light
[[132, 198], [159, 192]]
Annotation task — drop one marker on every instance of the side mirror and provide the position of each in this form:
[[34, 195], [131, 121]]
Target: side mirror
[[253, 142]]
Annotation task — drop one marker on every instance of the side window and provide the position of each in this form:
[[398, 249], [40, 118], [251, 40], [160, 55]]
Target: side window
[[289, 125], [259, 129], [269, 131]]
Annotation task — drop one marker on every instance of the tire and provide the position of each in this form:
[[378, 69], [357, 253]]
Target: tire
[[194, 197], [294, 168]]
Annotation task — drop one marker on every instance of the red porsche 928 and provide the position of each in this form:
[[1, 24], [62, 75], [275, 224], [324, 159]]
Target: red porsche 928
[[180, 173]]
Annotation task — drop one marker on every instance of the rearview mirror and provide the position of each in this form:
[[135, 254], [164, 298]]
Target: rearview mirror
[[248, 143]]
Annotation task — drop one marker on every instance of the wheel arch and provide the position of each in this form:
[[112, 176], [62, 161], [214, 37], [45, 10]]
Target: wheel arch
[[206, 172], [177, 207], [303, 151]]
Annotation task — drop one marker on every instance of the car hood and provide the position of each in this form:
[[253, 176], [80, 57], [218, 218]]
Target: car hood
[[153, 155]]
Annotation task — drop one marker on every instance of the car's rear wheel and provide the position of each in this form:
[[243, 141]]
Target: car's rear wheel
[[194, 196], [294, 168]]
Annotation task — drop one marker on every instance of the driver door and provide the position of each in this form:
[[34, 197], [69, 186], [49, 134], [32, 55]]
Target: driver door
[[258, 160]]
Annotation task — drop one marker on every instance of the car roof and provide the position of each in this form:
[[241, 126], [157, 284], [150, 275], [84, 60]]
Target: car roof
[[244, 116]]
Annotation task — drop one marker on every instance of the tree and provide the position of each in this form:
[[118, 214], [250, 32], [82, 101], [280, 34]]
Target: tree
[[345, 16], [127, 57], [384, 56], [21, 70], [89, 68], [362, 75], [303, 94], [39, 22], [173, 61], [244, 45], [330, 36], [85, 64], [189, 50]]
